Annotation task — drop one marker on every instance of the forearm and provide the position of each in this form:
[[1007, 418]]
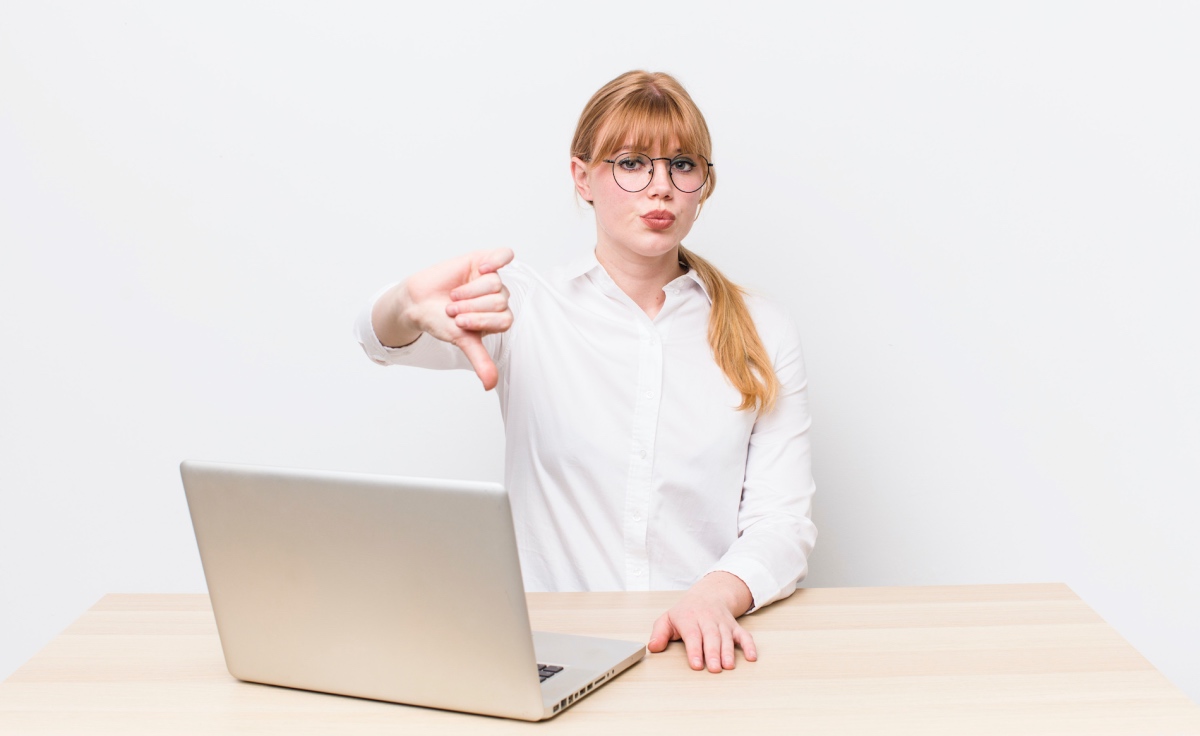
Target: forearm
[[391, 320], [775, 530]]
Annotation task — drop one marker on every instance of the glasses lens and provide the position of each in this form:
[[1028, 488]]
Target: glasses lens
[[632, 171], [688, 171]]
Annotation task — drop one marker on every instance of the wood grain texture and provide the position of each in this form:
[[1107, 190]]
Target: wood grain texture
[[997, 659]]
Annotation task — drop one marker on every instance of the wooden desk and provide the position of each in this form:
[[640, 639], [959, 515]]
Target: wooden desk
[[996, 659]]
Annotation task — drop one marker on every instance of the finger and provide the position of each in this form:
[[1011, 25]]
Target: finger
[[712, 646], [727, 659], [486, 303], [743, 638], [484, 321], [661, 634], [693, 645], [489, 283], [496, 260], [481, 361]]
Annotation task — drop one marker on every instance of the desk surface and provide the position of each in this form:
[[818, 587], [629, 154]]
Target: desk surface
[[996, 659]]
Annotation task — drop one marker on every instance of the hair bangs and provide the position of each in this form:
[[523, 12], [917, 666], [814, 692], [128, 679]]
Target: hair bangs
[[642, 112], [651, 121]]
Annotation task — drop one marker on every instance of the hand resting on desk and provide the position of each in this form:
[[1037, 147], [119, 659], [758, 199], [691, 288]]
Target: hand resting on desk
[[705, 618]]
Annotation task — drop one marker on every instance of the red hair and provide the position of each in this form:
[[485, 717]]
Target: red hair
[[652, 110]]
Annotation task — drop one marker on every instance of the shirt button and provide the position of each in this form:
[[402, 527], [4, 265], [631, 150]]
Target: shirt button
[[637, 516], [649, 394], [642, 454]]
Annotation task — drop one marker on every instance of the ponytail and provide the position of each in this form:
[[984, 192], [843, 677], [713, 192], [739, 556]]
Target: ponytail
[[648, 110], [734, 340]]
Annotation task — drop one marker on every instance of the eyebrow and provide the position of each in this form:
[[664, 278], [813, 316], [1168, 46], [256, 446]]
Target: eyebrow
[[633, 149]]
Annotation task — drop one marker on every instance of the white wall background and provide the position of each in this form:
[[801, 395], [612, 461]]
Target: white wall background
[[984, 217]]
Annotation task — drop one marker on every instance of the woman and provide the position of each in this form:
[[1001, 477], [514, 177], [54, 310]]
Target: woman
[[656, 418]]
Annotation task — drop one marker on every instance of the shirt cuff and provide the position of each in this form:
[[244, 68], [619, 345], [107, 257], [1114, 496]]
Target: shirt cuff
[[762, 584], [364, 330]]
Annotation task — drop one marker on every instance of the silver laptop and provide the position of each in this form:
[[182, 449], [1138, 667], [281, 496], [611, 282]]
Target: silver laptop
[[399, 589]]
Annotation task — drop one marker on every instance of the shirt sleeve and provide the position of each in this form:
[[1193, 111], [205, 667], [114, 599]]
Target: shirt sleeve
[[775, 530], [428, 351]]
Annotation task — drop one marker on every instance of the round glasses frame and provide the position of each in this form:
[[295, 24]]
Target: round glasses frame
[[708, 165]]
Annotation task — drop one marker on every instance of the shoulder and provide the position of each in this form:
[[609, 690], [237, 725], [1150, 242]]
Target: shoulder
[[518, 273], [775, 324], [779, 334], [521, 280]]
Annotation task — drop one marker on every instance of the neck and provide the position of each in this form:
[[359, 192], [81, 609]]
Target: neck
[[642, 279]]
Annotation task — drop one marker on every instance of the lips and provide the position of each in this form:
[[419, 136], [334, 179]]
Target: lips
[[658, 219]]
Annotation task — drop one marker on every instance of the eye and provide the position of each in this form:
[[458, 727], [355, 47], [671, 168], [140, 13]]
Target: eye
[[683, 164], [631, 162]]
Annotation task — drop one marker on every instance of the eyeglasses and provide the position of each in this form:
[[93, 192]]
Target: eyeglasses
[[635, 171]]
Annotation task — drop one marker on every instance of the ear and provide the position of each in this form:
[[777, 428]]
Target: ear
[[579, 172]]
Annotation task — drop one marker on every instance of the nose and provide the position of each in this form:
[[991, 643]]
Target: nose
[[660, 181]]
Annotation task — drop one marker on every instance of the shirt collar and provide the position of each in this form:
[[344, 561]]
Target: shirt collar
[[579, 266], [587, 263], [695, 278]]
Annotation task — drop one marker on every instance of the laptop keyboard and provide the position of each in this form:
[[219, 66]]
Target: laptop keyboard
[[547, 670]]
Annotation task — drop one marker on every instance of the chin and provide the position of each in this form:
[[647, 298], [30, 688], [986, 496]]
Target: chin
[[655, 250], [645, 243], [658, 242]]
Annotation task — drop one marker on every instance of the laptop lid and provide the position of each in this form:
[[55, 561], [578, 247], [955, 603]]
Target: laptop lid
[[399, 589]]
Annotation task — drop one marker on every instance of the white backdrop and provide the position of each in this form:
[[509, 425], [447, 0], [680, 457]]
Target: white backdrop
[[983, 216]]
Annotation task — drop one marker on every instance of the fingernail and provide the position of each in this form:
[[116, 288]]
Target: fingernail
[[696, 662]]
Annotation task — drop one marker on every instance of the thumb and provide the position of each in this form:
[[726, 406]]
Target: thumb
[[661, 635], [471, 343], [495, 260]]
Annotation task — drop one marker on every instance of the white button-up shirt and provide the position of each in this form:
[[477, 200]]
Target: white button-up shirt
[[627, 463]]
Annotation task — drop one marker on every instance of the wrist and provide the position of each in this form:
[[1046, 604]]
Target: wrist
[[732, 590], [394, 318]]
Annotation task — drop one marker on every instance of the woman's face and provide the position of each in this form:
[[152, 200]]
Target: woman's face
[[649, 224]]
